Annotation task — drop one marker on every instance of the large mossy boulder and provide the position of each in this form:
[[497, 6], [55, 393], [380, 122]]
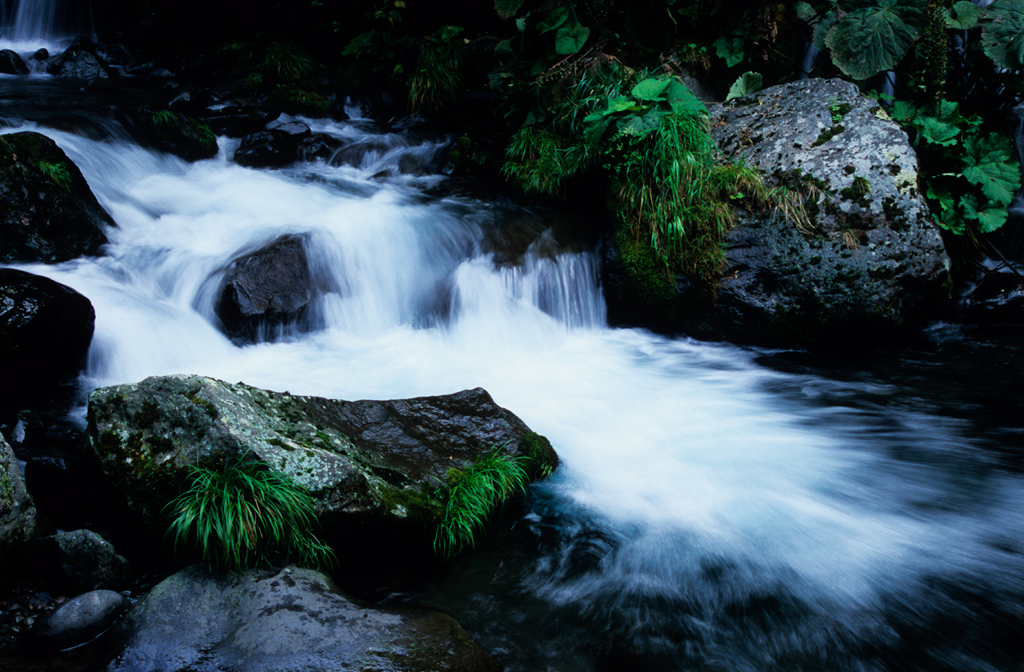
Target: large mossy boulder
[[293, 619], [17, 517], [45, 332], [373, 467], [80, 61], [47, 211], [868, 260]]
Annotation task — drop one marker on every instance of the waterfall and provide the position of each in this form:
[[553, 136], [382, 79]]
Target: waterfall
[[30, 24]]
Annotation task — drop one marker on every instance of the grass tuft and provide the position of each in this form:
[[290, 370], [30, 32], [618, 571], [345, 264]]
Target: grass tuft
[[472, 495], [246, 514]]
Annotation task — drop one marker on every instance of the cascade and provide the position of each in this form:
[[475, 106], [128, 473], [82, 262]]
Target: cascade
[[715, 509]]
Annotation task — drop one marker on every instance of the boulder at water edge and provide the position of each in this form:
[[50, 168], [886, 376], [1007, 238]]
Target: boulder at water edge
[[81, 619], [81, 561], [11, 63], [871, 260], [371, 466], [172, 132], [45, 331], [47, 211], [266, 290], [17, 516], [80, 61], [291, 620]]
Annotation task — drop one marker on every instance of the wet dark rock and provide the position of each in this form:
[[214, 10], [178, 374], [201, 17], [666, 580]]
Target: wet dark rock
[[294, 619], [319, 146], [17, 517], [998, 297], [870, 261], [80, 61], [266, 289], [237, 122], [81, 619], [45, 216], [41, 55], [267, 149], [82, 561], [296, 129], [172, 132], [11, 63], [45, 331], [369, 465]]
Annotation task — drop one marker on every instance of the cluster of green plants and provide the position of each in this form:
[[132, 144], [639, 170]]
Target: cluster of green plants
[[437, 80], [57, 172], [202, 133], [648, 136], [471, 495], [243, 514], [970, 175]]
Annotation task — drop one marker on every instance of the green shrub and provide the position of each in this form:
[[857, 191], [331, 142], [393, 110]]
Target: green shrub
[[246, 514], [284, 61], [472, 494], [165, 118]]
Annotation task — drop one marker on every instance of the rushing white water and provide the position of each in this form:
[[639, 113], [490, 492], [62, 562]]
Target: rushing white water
[[691, 460]]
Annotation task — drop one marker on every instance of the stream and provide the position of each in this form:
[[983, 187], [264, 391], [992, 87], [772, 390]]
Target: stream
[[718, 508]]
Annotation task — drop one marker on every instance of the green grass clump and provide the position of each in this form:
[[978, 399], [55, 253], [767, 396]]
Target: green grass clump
[[437, 80], [57, 172], [286, 62], [471, 496], [246, 514]]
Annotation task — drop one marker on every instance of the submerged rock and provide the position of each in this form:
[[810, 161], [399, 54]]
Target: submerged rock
[[871, 259], [371, 466], [237, 121], [293, 619], [81, 619], [45, 331], [47, 211], [17, 516]]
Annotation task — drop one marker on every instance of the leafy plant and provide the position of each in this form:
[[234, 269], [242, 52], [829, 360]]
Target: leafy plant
[[296, 100], [472, 494], [285, 62], [970, 176], [57, 172], [437, 79], [245, 514]]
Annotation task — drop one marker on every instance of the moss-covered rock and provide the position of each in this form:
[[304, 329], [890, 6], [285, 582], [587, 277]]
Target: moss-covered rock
[[172, 132], [293, 619], [868, 259], [47, 211], [373, 467], [17, 517]]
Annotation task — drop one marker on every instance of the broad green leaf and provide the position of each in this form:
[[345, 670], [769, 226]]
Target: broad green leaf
[[1003, 33], [594, 128], [639, 125], [903, 111], [937, 132], [989, 218], [503, 48], [570, 39], [357, 43], [507, 7], [555, 18], [806, 13], [683, 101], [821, 30], [875, 35], [731, 49], [991, 166], [948, 110], [650, 89], [748, 83], [964, 17]]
